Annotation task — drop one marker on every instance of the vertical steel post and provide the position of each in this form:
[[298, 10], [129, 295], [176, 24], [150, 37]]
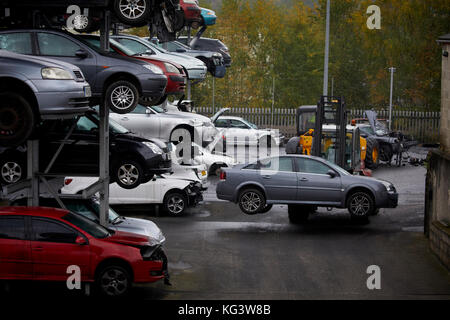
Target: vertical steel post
[[213, 94], [33, 168], [392, 70], [327, 51], [104, 133]]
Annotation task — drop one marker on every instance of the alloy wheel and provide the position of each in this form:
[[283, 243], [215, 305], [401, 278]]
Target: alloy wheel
[[122, 97], [11, 172], [128, 174], [175, 205], [132, 9], [360, 205], [114, 282], [251, 201]]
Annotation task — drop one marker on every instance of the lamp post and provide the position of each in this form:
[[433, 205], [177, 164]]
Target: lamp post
[[327, 51], [392, 70]]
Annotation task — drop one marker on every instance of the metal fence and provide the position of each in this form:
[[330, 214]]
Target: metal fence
[[423, 126]]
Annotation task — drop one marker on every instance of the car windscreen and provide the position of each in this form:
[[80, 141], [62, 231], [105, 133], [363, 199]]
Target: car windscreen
[[114, 126], [95, 44], [157, 109], [94, 229]]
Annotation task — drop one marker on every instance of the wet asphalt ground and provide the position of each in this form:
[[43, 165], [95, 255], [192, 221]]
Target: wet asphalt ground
[[217, 252]]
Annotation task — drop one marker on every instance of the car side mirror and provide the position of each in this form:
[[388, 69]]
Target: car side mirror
[[80, 241], [82, 54], [332, 173], [148, 111], [181, 50]]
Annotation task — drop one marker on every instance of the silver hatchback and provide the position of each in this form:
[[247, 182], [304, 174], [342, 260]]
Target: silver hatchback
[[303, 183]]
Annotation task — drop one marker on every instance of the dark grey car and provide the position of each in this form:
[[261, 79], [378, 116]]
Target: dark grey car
[[121, 81], [304, 183], [34, 88]]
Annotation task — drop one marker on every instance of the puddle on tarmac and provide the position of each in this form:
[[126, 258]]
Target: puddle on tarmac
[[179, 265]]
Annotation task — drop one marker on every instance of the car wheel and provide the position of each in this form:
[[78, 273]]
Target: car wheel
[[85, 24], [298, 214], [17, 119], [360, 205], [266, 209], [175, 203], [114, 281], [133, 12], [251, 201], [148, 101], [11, 171], [129, 174], [121, 97], [372, 154]]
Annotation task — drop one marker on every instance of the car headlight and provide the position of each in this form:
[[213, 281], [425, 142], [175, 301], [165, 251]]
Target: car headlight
[[389, 187], [171, 68], [153, 147], [153, 68], [56, 74]]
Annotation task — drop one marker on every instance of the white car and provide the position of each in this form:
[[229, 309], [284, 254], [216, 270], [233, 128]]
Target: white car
[[155, 122], [196, 69], [212, 162], [192, 171], [239, 131], [175, 195]]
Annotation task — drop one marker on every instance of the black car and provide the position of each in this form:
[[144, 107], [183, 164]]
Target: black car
[[208, 44], [121, 81], [133, 160]]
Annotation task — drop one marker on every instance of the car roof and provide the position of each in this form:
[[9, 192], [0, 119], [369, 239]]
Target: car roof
[[33, 211]]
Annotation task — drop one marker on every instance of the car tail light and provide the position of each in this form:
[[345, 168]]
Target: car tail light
[[223, 175], [67, 181]]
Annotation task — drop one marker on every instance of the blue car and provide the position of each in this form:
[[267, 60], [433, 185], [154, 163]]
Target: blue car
[[208, 16]]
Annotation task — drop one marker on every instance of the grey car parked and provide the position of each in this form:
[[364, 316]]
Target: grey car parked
[[120, 81], [35, 88], [303, 183]]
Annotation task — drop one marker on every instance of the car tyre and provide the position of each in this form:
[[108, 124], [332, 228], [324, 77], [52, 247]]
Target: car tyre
[[121, 97], [85, 24], [360, 205], [386, 153], [17, 119], [129, 174], [12, 171], [372, 154], [298, 214], [114, 281], [175, 203], [134, 13], [252, 201]]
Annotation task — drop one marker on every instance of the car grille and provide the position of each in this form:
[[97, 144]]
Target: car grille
[[78, 75]]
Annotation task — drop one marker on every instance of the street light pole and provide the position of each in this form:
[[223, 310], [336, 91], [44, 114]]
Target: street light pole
[[392, 70], [327, 51]]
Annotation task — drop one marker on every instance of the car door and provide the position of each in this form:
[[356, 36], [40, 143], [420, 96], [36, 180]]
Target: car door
[[142, 121], [279, 178], [15, 250], [146, 193], [315, 184], [61, 47], [53, 250]]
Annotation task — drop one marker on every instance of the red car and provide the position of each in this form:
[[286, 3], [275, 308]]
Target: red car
[[175, 73], [39, 243], [192, 13]]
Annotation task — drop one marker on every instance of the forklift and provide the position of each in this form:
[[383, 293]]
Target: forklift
[[322, 131]]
